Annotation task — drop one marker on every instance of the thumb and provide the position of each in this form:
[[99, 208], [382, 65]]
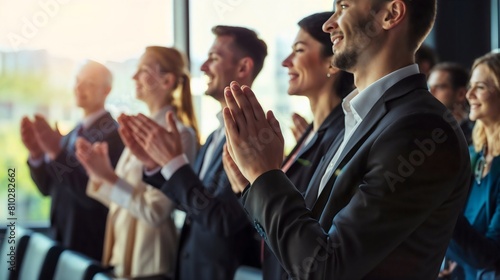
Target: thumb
[[171, 124]]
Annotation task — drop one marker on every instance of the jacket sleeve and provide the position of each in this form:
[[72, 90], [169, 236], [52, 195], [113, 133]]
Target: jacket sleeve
[[474, 248], [379, 214], [215, 207], [69, 172], [41, 178]]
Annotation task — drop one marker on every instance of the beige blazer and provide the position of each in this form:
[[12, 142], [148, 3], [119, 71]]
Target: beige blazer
[[140, 238]]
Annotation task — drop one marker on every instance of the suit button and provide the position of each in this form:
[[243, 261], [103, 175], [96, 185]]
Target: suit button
[[260, 229]]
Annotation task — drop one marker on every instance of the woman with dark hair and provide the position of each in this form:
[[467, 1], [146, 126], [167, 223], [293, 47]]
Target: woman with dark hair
[[310, 75], [141, 237]]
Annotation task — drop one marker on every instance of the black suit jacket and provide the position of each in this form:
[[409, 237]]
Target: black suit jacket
[[301, 171], [389, 209], [77, 221], [217, 236]]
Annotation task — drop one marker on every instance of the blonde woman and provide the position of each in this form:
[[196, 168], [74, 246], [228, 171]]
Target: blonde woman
[[141, 238], [476, 240]]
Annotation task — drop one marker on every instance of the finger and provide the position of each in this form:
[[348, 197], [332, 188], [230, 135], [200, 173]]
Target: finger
[[234, 109], [171, 124], [138, 132], [254, 103], [147, 122], [126, 136], [231, 127], [140, 139], [275, 125], [137, 126], [243, 103], [103, 149]]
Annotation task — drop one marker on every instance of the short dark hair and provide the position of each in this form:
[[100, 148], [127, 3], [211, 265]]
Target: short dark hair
[[426, 53], [422, 14], [246, 41], [313, 25], [459, 76]]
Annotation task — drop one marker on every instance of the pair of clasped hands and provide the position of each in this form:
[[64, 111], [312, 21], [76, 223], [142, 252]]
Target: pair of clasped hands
[[254, 142]]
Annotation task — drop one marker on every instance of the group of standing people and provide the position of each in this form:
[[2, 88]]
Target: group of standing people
[[372, 189]]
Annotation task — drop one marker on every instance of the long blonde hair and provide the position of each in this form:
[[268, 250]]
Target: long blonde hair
[[492, 63], [173, 61]]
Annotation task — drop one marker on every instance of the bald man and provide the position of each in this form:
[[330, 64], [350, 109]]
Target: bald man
[[77, 221]]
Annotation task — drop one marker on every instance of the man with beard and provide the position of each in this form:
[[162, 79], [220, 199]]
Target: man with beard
[[384, 202], [216, 237]]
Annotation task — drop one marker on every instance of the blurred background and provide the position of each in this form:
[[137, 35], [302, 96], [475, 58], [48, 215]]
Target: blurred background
[[42, 43]]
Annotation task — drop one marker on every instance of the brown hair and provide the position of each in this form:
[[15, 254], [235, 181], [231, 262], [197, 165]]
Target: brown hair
[[492, 63], [247, 42], [173, 61], [422, 14]]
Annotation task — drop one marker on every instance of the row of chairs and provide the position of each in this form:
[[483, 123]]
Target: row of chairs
[[39, 257]]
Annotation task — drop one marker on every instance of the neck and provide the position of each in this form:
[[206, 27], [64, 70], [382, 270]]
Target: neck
[[155, 107], [88, 112], [491, 131], [375, 64], [321, 106]]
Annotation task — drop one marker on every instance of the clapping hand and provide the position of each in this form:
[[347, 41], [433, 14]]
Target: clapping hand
[[95, 159], [161, 145], [254, 139]]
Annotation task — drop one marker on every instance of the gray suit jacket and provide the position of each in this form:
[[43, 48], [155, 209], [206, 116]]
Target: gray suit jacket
[[389, 209]]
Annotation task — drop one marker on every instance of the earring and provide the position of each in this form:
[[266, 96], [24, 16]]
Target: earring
[[328, 75]]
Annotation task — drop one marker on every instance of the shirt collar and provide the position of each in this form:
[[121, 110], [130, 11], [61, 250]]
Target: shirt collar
[[90, 119], [221, 119], [362, 102]]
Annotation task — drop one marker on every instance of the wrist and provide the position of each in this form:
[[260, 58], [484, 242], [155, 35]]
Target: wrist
[[111, 178]]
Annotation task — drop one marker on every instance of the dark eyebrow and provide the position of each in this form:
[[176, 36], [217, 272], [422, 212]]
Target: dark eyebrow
[[299, 42]]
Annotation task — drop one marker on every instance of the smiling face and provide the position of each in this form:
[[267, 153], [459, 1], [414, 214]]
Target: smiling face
[[220, 67], [307, 68], [352, 30], [92, 86], [483, 96], [148, 79]]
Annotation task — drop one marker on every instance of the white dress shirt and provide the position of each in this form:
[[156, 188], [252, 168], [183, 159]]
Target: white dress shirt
[[176, 163], [358, 104]]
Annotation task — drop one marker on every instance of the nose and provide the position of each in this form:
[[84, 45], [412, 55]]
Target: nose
[[330, 24], [135, 76], [288, 61], [204, 66], [470, 94]]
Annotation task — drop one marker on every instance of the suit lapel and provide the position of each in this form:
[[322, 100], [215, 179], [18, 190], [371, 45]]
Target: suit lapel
[[369, 122], [312, 189]]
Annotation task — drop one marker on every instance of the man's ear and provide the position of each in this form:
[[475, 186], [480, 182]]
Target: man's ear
[[394, 13], [245, 67]]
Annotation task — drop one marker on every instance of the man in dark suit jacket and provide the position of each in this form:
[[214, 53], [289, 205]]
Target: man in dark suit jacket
[[217, 236], [384, 203], [77, 221]]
